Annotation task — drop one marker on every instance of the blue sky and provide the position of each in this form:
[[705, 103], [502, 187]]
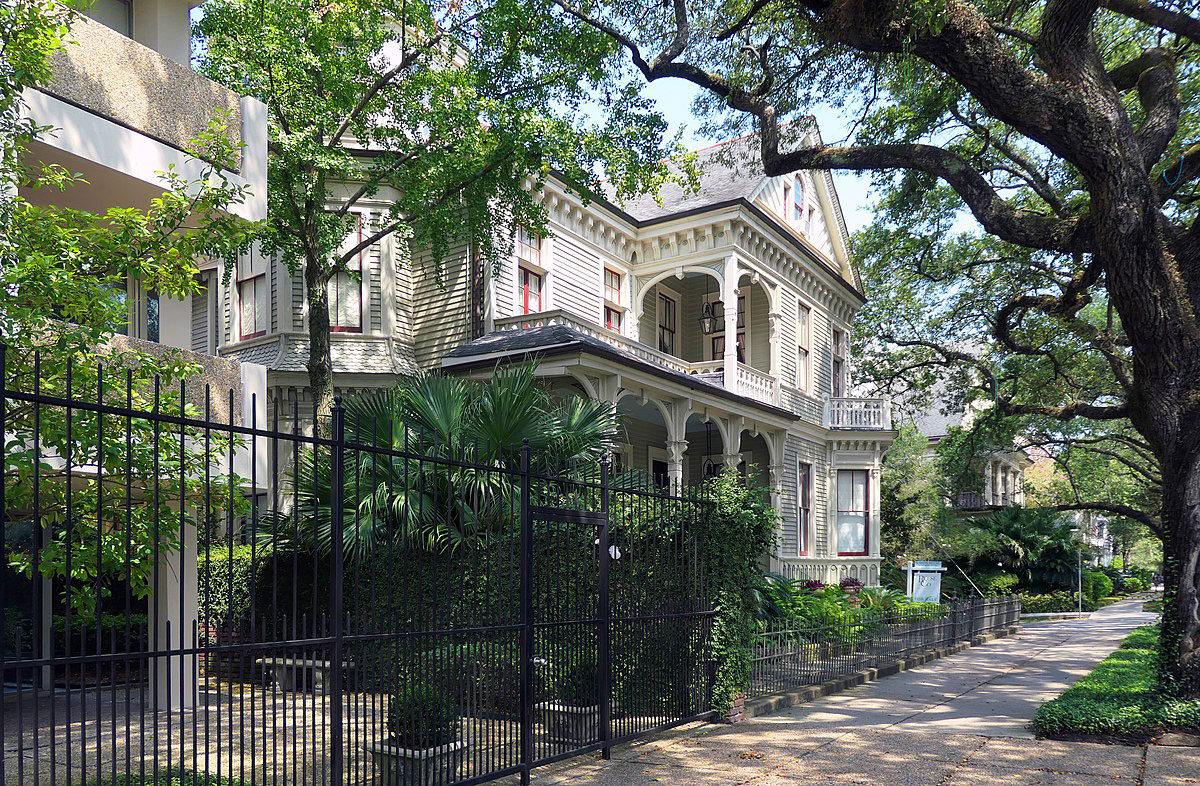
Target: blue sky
[[674, 99]]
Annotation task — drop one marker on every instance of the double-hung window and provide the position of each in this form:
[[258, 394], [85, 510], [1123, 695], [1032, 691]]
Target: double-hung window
[[837, 380], [613, 312], [531, 280], [668, 312], [803, 346], [345, 286], [252, 295], [798, 204], [852, 512], [804, 478]]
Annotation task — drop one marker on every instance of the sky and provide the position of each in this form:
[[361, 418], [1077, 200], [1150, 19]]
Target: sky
[[674, 100]]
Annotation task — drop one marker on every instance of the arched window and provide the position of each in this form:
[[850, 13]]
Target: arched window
[[800, 196]]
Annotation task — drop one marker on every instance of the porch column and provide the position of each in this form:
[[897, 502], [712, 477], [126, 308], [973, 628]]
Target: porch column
[[173, 621], [773, 323], [729, 296], [732, 452], [675, 450], [873, 506]]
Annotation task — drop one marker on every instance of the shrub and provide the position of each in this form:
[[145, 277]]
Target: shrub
[[1135, 584], [997, 584], [171, 777], [422, 716], [1087, 585], [1054, 603], [1102, 585], [1120, 698], [578, 685]]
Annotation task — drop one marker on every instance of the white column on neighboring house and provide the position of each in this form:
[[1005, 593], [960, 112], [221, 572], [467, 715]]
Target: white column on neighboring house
[[987, 484], [729, 296], [773, 324], [675, 450], [173, 620]]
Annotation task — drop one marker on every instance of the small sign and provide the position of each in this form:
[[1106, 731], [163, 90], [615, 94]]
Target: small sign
[[925, 581]]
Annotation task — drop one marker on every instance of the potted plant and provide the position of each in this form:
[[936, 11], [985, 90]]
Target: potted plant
[[423, 748], [572, 716], [851, 586]]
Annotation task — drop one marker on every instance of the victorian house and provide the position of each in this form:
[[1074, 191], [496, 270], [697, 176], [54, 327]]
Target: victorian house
[[717, 323]]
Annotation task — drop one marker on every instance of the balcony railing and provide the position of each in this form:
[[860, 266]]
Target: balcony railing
[[749, 381], [858, 414], [831, 570]]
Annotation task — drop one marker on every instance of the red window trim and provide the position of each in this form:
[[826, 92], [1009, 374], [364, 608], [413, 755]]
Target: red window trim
[[866, 515], [523, 288], [609, 311], [242, 305], [804, 527], [800, 194]]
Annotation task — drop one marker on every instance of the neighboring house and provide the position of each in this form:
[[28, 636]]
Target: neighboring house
[[122, 105], [717, 323], [1093, 529], [1003, 481]]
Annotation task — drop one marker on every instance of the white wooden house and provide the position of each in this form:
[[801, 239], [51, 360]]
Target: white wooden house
[[611, 301]]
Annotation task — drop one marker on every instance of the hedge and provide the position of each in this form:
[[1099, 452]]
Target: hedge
[[1060, 602], [1102, 585], [172, 777], [1120, 698]]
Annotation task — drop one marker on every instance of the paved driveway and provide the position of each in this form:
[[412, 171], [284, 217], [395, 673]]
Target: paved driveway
[[957, 721]]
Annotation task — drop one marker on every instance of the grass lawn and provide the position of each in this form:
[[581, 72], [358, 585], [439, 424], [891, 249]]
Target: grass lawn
[[1120, 699]]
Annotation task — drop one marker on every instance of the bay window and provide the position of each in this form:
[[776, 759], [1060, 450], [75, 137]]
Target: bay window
[[344, 288], [531, 291], [853, 512]]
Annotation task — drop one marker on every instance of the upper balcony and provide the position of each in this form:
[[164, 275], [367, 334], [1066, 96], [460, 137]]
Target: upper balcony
[[121, 111], [858, 414], [749, 382], [116, 77]]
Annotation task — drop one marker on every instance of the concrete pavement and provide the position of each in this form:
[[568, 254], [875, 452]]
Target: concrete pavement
[[956, 721]]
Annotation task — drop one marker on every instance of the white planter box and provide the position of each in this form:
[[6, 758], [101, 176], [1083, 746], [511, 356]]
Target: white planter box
[[396, 766]]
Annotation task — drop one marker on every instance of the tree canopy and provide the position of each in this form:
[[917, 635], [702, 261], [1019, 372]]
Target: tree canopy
[[1060, 135], [455, 112]]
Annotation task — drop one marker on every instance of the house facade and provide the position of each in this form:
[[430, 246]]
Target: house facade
[[1003, 469], [716, 322]]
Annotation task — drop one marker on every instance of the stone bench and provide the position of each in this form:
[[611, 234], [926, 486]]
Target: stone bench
[[295, 674]]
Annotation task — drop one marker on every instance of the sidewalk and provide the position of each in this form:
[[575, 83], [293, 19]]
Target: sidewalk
[[956, 721]]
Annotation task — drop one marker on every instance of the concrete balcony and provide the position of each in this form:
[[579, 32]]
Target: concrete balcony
[[119, 113], [748, 381], [858, 414]]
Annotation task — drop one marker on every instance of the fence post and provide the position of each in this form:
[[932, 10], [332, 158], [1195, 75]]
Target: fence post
[[605, 686], [526, 619], [337, 533]]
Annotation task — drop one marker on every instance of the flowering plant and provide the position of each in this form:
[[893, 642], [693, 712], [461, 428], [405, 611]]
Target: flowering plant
[[850, 584]]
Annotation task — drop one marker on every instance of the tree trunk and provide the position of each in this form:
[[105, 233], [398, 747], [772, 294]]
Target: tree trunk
[[1180, 666], [320, 361]]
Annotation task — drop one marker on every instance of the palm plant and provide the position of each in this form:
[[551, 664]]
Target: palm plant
[[1035, 544], [435, 461]]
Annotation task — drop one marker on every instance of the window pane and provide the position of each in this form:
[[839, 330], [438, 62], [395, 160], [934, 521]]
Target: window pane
[[851, 533]]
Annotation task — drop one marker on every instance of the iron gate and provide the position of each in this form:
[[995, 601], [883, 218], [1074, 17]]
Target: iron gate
[[198, 599]]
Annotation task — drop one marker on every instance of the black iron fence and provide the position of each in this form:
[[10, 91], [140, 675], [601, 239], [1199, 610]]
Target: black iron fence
[[270, 603], [790, 654]]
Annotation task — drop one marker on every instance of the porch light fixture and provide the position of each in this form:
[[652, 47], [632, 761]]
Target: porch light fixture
[[708, 320]]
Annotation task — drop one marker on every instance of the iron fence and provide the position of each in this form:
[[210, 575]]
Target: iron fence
[[789, 654], [342, 602]]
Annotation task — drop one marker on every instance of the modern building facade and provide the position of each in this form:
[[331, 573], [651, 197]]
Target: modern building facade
[[716, 322]]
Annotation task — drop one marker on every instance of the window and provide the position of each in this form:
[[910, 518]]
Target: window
[[612, 286], [803, 345], [803, 508], [717, 341], [787, 198], [667, 313], [837, 379], [117, 14], [153, 323], [531, 292], [529, 247], [613, 318], [344, 289], [252, 296], [801, 196], [852, 512]]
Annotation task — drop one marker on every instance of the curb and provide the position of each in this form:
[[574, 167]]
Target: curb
[[765, 705]]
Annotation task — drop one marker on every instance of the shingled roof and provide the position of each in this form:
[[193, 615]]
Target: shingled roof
[[729, 170]]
